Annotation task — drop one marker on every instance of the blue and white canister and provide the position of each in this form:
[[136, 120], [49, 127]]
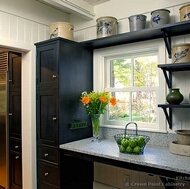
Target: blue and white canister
[[181, 53], [160, 17], [184, 12], [106, 26]]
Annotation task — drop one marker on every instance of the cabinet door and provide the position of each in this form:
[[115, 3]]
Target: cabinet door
[[47, 117], [15, 171], [15, 114], [14, 68], [48, 173], [47, 65]]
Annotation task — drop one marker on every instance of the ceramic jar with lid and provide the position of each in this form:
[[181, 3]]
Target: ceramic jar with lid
[[184, 12], [106, 26], [181, 53], [61, 29], [160, 17]]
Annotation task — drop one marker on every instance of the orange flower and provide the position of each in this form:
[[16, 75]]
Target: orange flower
[[102, 99], [85, 100], [113, 101]]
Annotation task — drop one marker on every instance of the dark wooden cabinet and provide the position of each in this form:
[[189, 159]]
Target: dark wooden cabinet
[[14, 120], [15, 170], [64, 70], [15, 114]]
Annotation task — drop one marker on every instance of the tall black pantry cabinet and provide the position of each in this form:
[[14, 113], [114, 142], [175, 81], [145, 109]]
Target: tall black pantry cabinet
[[14, 120], [63, 71]]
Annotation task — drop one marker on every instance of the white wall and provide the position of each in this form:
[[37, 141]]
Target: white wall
[[23, 23]]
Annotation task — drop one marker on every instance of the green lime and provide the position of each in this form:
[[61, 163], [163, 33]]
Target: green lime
[[126, 143], [119, 141], [141, 141], [132, 142], [137, 150], [123, 137], [121, 149], [129, 149]]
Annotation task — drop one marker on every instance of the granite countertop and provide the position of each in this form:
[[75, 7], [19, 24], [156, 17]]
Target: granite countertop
[[153, 156]]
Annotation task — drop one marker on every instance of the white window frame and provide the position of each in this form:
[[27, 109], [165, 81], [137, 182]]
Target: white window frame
[[99, 60]]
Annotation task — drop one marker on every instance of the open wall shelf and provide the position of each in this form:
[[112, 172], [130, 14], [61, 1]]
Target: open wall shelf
[[170, 68], [166, 32]]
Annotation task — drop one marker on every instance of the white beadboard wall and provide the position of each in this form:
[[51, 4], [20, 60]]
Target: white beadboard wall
[[21, 30]]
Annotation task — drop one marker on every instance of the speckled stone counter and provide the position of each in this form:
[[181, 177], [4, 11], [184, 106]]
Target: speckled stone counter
[[156, 159]]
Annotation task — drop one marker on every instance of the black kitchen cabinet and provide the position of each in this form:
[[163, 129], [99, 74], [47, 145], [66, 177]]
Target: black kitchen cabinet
[[15, 114], [15, 171], [64, 70], [14, 120]]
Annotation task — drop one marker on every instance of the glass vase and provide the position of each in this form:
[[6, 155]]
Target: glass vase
[[95, 126]]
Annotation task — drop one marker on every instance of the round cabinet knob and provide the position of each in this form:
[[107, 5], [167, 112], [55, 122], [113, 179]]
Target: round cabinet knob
[[54, 76], [46, 174], [10, 114], [46, 155], [16, 147], [54, 118], [17, 157], [10, 80]]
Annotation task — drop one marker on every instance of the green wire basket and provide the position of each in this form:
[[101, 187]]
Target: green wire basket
[[131, 143]]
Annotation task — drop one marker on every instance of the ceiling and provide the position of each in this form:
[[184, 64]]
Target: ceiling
[[95, 2]]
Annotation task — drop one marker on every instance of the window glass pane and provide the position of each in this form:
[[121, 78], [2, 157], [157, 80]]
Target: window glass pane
[[145, 71], [144, 106], [120, 73], [133, 106], [120, 111]]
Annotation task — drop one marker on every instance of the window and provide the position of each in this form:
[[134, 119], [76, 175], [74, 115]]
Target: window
[[132, 76]]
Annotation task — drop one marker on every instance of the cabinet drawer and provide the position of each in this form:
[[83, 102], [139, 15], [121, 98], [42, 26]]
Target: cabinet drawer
[[15, 145], [48, 154], [48, 173], [47, 186]]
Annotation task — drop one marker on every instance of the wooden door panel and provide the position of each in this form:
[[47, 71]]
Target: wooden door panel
[[15, 114], [47, 117], [14, 67], [47, 66], [15, 171]]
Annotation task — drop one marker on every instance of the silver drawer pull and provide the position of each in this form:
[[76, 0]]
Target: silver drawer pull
[[17, 157], [54, 118], [46, 155], [16, 147], [46, 174], [54, 76], [10, 114]]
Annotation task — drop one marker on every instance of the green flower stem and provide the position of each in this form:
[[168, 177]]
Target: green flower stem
[[95, 125]]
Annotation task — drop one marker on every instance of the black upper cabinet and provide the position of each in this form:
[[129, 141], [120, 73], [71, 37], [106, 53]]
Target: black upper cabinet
[[47, 65], [63, 71], [14, 67]]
